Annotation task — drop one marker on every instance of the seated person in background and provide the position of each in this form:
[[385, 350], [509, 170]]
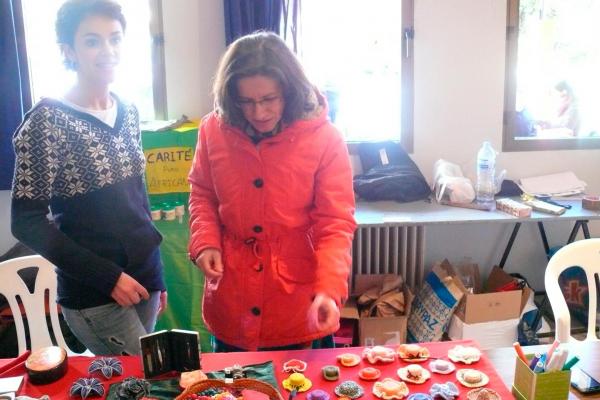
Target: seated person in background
[[566, 121], [525, 125]]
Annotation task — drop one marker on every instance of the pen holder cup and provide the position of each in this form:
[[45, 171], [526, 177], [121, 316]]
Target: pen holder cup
[[541, 386]]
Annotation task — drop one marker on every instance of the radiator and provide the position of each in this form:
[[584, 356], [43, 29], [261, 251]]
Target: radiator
[[390, 250]]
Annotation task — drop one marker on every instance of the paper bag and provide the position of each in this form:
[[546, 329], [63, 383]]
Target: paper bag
[[434, 304]]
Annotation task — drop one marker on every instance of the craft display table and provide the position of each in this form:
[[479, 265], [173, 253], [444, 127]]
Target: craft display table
[[315, 359]]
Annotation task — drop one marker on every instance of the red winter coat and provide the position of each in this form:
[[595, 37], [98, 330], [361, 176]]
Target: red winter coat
[[281, 212]]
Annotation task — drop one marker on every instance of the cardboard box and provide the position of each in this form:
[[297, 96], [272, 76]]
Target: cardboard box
[[542, 386], [489, 335], [347, 335], [492, 305], [377, 330]]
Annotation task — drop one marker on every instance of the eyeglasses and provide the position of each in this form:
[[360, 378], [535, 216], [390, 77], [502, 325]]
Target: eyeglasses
[[267, 102]]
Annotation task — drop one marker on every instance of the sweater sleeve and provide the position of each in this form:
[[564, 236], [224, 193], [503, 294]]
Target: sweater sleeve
[[38, 161], [205, 225], [30, 225], [333, 219]]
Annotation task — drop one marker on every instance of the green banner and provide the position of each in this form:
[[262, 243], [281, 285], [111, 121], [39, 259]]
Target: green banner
[[184, 281]]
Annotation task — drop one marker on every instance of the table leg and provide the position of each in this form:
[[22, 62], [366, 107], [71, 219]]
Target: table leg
[[544, 238], [574, 232], [586, 231], [511, 240]]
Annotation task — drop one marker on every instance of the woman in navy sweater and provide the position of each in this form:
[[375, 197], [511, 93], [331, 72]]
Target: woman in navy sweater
[[79, 157]]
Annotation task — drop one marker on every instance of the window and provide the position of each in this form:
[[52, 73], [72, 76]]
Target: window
[[552, 81], [360, 55], [134, 82]]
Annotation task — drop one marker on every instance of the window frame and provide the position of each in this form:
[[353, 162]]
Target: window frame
[[159, 79], [408, 82], [159, 91], [509, 143], [406, 139]]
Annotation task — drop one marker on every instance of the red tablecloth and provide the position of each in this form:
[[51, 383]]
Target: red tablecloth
[[315, 359]]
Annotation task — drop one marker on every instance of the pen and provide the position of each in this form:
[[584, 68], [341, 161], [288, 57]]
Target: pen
[[551, 351], [520, 353], [539, 367], [554, 203], [557, 361], [563, 359], [534, 361], [570, 363]]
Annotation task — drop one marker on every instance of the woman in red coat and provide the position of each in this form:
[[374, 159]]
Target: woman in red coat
[[271, 204]]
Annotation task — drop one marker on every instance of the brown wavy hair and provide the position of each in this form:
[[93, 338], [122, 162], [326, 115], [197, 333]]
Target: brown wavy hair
[[265, 54]]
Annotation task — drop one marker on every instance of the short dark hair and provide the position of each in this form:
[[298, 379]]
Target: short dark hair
[[265, 54], [563, 86], [72, 12]]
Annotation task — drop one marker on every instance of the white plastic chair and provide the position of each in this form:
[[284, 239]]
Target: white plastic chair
[[585, 254], [12, 287]]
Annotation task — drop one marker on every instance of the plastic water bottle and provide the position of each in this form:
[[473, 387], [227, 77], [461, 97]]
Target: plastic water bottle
[[486, 165]]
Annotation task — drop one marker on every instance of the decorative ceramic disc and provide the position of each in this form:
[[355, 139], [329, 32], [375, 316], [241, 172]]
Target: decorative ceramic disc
[[472, 378], [369, 374], [379, 354], [414, 373], [330, 372], [349, 389], [390, 389], [349, 359], [294, 365], [441, 367], [413, 353], [464, 354], [298, 382], [483, 394]]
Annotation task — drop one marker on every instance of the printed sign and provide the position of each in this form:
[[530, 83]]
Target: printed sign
[[167, 169]]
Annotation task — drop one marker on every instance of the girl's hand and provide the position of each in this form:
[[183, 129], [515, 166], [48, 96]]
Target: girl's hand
[[163, 302], [128, 291], [323, 313], [209, 261]]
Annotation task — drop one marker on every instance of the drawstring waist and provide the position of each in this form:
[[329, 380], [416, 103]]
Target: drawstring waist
[[260, 247]]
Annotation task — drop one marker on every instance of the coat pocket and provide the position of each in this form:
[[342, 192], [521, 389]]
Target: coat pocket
[[296, 262]]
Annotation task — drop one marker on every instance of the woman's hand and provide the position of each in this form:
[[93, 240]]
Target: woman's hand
[[162, 305], [128, 291], [209, 261], [323, 313]]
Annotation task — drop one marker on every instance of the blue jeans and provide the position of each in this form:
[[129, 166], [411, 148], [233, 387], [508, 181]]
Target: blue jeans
[[112, 330]]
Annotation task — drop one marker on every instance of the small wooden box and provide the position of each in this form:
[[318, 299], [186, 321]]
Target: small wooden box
[[542, 386]]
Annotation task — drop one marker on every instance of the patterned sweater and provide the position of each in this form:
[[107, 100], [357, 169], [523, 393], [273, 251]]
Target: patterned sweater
[[91, 177]]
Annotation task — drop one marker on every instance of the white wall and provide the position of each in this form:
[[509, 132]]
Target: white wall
[[459, 89], [6, 239], [194, 40]]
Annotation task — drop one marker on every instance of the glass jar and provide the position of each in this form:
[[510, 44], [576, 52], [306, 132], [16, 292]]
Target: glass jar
[[155, 213]]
